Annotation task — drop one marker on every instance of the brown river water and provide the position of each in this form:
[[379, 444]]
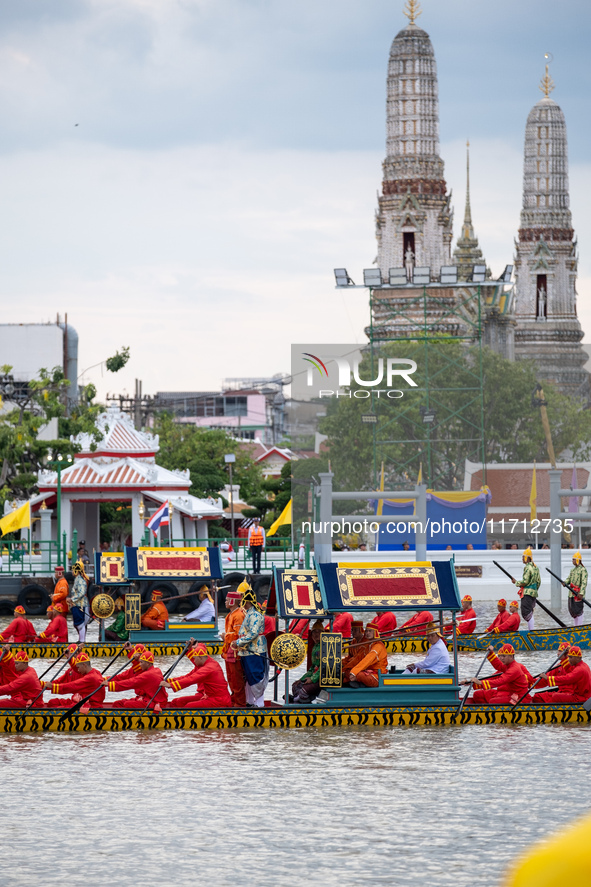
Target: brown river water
[[392, 806]]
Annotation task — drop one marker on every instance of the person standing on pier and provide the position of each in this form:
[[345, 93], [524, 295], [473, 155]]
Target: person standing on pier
[[528, 588], [256, 543], [577, 586]]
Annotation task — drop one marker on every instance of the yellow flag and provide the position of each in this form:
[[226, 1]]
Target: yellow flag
[[533, 496], [284, 518], [381, 501], [16, 520]]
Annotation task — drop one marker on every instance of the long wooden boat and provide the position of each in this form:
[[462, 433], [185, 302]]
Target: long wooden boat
[[278, 717], [539, 639]]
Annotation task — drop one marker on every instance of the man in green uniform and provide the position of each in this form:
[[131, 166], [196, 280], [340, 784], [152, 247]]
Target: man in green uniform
[[577, 586], [116, 630], [528, 588]]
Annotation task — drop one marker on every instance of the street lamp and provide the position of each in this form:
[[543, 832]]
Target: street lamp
[[59, 463], [229, 459]]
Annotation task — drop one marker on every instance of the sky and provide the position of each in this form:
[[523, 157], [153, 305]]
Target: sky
[[182, 176]]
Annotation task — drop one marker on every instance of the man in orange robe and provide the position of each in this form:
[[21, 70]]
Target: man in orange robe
[[57, 630], [374, 662], [498, 623], [147, 684], [20, 629], [357, 649], [507, 687], [157, 615], [209, 677], [234, 672], [85, 681], [24, 687], [416, 624], [61, 590]]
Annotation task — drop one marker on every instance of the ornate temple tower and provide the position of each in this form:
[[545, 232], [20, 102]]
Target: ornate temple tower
[[548, 330], [467, 252], [414, 208]]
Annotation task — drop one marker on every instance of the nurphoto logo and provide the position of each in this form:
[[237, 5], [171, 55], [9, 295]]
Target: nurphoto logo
[[340, 367]]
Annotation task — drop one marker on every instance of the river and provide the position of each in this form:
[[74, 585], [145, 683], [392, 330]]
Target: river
[[403, 806]]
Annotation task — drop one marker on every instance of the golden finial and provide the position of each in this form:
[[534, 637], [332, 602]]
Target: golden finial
[[547, 84], [412, 10]]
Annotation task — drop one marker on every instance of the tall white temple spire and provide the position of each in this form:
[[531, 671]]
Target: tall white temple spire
[[548, 330], [414, 209]]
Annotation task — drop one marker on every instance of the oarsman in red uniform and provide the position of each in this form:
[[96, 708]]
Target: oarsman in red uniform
[[20, 629], [508, 687], [466, 620], [234, 672], [145, 684], [209, 677], [157, 615], [416, 624], [57, 630], [374, 662], [301, 627], [342, 624], [573, 686], [499, 665], [513, 618], [563, 667], [70, 674], [498, 623], [386, 622], [87, 679], [61, 590], [23, 688]]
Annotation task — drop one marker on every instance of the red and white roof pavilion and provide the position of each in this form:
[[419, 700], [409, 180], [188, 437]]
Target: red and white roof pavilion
[[122, 468]]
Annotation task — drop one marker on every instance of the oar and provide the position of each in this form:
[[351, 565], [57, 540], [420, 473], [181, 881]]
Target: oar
[[529, 689], [462, 701], [54, 663], [111, 661], [169, 672], [567, 585], [177, 597], [74, 708], [538, 601]]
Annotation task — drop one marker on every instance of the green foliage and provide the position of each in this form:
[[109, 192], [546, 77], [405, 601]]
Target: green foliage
[[115, 523], [512, 426], [118, 361], [202, 451]]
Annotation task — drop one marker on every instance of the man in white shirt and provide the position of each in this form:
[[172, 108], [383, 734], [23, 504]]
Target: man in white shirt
[[437, 660], [205, 612]]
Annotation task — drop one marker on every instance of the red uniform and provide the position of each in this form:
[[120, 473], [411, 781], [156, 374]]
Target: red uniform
[[386, 622], [574, 685], [269, 624], [21, 689], [498, 623], [500, 690], [83, 684], [467, 625], [211, 683], [56, 631], [7, 670], [342, 624], [301, 627], [145, 685], [512, 621], [499, 666], [417, 623], [21, 629]]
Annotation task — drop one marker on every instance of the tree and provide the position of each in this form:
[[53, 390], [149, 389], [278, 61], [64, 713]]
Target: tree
[[512, 426]]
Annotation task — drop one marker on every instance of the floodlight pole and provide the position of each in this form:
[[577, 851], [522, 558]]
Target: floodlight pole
[[230, 458]]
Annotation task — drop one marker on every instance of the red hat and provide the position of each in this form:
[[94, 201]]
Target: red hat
[[60, 607], [563, 646], [233, 597], [156, 593], [575, 651], [20, 610], [81, 657], [376, 630], [72, 648], [357, 623], [502, 602], [139, 648], [23, 656], [147, 656], [466, 598], [59, 569], [197, 650], [514, 604], [507, 650]]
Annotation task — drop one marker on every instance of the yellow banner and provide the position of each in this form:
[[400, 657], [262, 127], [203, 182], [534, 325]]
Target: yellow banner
[[16, 520]]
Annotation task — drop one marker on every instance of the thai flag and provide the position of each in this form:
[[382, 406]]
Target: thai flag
[[158, 519]]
